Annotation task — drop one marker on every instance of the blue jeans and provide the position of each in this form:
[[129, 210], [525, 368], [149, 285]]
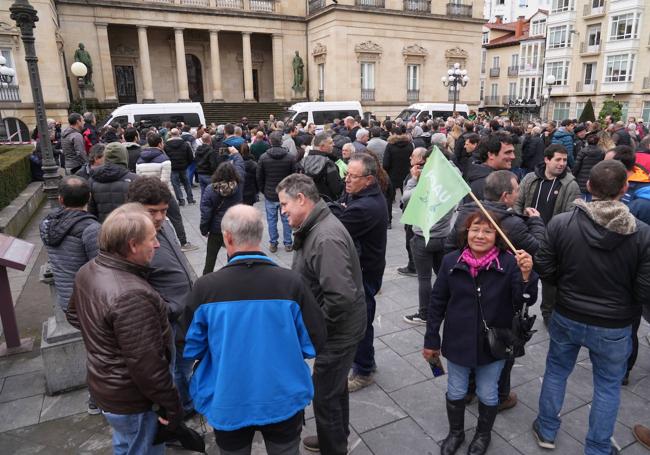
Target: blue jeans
[[133, 433], [364, 360], [487, 381], [204, 181], [272, 209], [178, 178], [191, 172], [609, 350], [181, 369]]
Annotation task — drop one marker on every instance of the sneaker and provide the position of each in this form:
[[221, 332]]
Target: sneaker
[[415, 319], [187, 246], [359, 381], [642, 434], [181, 202], [192, 202], [311, 443], [288, 248], [273, 248], [93, 410], [543, 443], [407, 271], [509, 402]]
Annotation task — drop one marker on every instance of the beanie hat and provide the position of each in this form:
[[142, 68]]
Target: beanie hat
[[116, 153]]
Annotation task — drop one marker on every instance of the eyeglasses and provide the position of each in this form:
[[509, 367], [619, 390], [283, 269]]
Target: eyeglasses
[[476, 231], [352, 176]]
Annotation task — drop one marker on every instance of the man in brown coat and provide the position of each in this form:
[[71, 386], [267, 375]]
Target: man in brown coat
[[127, 335]]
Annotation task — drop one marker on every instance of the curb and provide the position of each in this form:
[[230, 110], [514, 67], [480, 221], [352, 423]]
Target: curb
[[15, 217]]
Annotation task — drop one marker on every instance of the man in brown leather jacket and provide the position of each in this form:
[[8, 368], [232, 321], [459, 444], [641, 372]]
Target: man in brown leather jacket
[[126, 332]]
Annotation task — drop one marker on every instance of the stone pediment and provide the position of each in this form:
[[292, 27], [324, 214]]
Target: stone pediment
[[415, 50], [368, 47], [319, 49], [456, 53], [9, 34]]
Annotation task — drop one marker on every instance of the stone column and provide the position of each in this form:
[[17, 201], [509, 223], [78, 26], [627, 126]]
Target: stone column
[[104, 61], [215, 66], [145, 64], [247, 60], [181, 69], [278, 68]]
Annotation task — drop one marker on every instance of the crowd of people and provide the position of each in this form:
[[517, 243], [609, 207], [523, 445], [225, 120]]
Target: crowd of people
[[573, 200]]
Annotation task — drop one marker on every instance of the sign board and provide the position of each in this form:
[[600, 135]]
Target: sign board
[[14, 253]]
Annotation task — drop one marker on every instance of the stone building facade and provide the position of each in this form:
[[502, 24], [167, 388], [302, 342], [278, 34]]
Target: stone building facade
[[385, 53]]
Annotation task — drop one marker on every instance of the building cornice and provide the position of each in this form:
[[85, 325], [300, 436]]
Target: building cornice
[[393, 12]]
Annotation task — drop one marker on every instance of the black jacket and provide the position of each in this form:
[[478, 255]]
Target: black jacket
[[587, 158], [134, 151], [179, 153], [109, 185], [206, 159], [250, 182], [274, 165], [365, 216], [526, 233], [455, 298], [532, 152], [602, 277], [322, 168], [397, 158], [475, 176]]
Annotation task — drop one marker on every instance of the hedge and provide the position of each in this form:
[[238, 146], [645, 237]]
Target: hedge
[[15, 173]]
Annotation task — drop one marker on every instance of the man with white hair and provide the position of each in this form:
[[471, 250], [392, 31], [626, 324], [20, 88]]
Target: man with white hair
[[352, 126], [361, 141]]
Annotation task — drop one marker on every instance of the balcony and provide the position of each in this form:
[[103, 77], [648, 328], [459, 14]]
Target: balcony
[[586, 87], [459, 10], [513, 71], [315, 5], [421, 6], [370, 4], [267, 6], [413, 96], [230, 4], [586, 48], [9, 93], [321, 95], [494, 100], [194, 2], [367, 94], [494, 72], [590, 11]]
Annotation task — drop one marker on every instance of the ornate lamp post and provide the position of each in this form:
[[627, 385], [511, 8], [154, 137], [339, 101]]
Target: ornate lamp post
[[456, 78], [26, 17], [549, 81], [80, 70]]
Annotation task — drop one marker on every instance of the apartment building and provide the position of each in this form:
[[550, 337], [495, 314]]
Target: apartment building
[[598, 49], [512, 66], [510, 10]]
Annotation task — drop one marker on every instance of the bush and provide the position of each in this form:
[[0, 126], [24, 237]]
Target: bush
[[15, 174], [613, 108], [588, 113]]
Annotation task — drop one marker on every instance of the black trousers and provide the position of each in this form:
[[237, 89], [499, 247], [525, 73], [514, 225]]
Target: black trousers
[[215, 242], [408, 235], [635, 344], [332, 400], [427, 260], [282, 438], [174, 214]]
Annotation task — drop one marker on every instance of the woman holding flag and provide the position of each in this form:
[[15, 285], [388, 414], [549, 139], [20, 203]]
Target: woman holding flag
[[479, 289]]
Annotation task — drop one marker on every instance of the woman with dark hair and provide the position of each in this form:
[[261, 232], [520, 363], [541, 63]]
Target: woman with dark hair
[[587, 158], [480, 286], [250, 182], [224, 192]]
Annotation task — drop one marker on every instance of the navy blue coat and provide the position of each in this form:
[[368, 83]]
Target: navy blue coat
[[455, 300], [214, 205]]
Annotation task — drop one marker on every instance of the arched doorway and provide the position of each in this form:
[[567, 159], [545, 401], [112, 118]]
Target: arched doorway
[[194, 77]]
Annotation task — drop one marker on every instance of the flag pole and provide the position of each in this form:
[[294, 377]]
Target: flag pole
[[496, 226]]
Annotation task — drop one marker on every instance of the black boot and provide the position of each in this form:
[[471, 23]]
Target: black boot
[[456, 436], [483, 435]]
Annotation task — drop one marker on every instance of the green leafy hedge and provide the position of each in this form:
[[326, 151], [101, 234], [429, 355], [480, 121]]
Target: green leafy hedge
[[15, 174]]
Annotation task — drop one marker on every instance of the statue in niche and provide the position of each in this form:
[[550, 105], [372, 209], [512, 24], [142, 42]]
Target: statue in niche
[[298, 73], [82, 55]]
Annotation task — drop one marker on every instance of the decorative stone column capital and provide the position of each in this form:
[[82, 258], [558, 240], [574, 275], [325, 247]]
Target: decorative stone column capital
[[246, 33], [101, 24], [179, 29], [140, 27]]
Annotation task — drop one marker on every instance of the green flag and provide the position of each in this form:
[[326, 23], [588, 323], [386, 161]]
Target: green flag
[[439, 189]]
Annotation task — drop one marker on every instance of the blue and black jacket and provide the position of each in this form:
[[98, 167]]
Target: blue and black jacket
[[254, 324]]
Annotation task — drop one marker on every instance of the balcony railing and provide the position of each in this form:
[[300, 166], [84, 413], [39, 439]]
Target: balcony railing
[[315, 5], [267, 6], [370, 3], [492, 100], [195, 2], [234, 4], [513, 70], [646, 83], [586, 48], [591, 11], [413, 96], [9, 93], [423, 6], [582, 87], [367, 94], [459, 9], [494, 72]]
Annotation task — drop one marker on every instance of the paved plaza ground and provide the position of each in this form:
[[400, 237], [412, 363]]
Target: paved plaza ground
[[403, 413]]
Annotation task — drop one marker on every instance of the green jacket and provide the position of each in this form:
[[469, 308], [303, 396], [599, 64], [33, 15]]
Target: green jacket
[[569, 191]]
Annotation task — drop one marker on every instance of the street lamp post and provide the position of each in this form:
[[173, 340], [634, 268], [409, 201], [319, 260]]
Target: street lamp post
[[26, 17], [550, 81], [455, 79], [80, 70]]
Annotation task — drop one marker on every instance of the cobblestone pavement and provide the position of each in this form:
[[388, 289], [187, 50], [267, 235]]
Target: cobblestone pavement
[[402, 413]]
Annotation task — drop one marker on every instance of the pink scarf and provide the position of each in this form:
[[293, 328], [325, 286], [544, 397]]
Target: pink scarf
[[478, 264]]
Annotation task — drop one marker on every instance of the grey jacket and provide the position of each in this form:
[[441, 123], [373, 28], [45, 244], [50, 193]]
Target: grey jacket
[[70, 237], [326, 258], [73, 148], [568, 193]]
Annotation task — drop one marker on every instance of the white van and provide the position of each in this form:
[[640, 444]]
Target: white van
[[432, 110], [156, 114], [321, 112]]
